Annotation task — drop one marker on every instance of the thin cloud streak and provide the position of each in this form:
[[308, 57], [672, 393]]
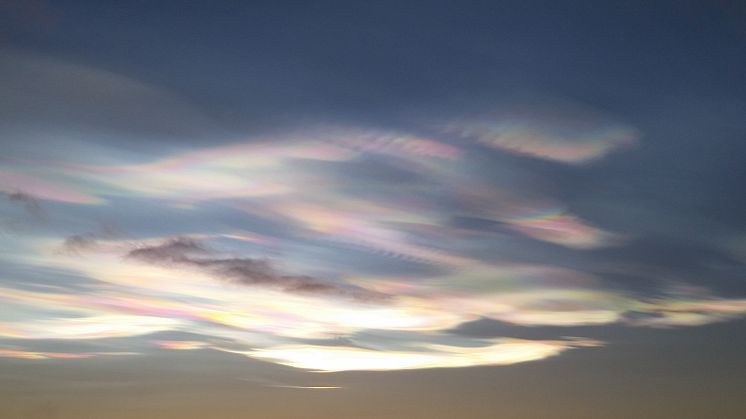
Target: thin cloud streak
[[243, 271], [565, 133], [334, 359], [35, 355]]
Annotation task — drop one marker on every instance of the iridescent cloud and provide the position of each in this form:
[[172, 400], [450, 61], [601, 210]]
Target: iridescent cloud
[[43, 188], [499, 352], [255, 168], [565, 133], [326, 199], [35, 355], [134, 298], [689, 312], [180, 345], [556, 226]]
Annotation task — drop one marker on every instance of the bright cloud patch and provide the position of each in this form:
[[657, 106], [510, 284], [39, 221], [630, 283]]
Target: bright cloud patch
[[336, 235], [504, 352]]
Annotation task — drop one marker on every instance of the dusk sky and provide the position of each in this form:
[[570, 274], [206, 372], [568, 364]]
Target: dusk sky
[[441, 209]]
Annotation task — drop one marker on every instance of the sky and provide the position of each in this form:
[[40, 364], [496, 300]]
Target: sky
[[372, 209]]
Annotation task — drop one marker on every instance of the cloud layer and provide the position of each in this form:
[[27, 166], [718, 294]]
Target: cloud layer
[[333, 246]]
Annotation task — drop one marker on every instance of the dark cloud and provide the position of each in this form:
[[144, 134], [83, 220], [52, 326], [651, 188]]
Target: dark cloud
[[78, 243], [30, 204], [175, 251], [244, 271]]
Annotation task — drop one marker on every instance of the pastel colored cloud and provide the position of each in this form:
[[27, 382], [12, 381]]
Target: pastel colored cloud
[[255, 168], [538, 143], [134, 298], [326, 201], [562, 132], [91, 327], [297, 178], [330, 359], [35, 355], [555, 226], [690, 312], [40, 187], [180, 345]]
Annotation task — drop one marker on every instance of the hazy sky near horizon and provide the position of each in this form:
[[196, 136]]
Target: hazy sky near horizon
[[372, 209]]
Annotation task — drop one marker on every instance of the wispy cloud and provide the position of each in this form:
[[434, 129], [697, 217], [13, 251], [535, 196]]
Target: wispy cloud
[[558, 227], [243, 271], [34, 355], [181, 345], [566, 132], [330, 359], [80, 243], [11, 181], [265, 322], [30, 204], [263, 244]]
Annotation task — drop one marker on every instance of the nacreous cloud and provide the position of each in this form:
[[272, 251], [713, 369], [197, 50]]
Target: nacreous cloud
[[500, 352], [374, 243], [565, 133]]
